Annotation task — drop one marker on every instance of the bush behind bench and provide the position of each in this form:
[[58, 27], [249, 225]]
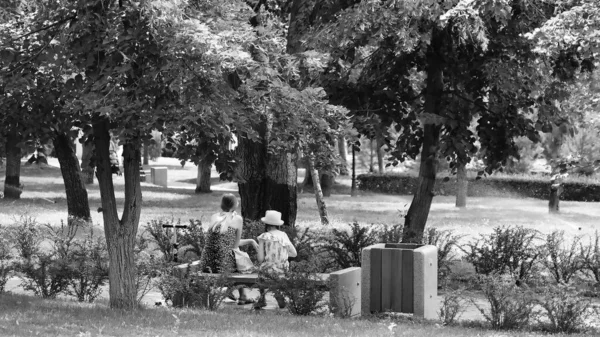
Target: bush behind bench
[[529, 187]]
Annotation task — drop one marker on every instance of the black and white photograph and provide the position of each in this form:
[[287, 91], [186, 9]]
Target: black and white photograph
[[300, 168]]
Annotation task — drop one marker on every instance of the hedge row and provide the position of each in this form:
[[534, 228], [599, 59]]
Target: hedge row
[[484, 187]]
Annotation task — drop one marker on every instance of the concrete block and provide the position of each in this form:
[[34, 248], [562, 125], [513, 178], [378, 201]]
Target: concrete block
[[425, 282], [399, 278], [366, 278], [345, 291], [159, 176]]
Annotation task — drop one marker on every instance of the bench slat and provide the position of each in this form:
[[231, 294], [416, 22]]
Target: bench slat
[[241, 279]]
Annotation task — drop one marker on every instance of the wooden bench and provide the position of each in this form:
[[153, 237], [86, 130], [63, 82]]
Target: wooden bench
[[343, 285]]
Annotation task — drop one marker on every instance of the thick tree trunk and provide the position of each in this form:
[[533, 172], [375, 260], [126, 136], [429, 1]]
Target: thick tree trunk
[[416, 218], [462, 185], [87, 164], [343, 150], [120, 234], [282, 178], [251, 177], [146, 154], [12, 184], [318, 193], [380, 154], [203, 178], [353, 189], [77, 197]]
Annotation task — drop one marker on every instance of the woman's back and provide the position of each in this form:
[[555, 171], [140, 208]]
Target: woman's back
[[217, 255]]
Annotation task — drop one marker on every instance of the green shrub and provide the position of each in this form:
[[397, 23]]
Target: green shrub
[[507, 250], [45, 273], [27, 236], [147, 267], [300, 286], [195, 290], [493, 186], [309, 245], [563, 261], [6, 258], [452, 307], [390, 233], [346, 246], [511, 307], [192, 240], [162, 236], [88, 260], [590, 256], [565, 311], [446, 242]]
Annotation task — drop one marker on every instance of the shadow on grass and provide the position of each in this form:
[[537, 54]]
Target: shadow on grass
[[192, 181]]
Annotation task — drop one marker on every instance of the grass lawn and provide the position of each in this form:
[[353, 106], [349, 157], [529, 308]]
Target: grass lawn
[[44, 197], [27, 316]]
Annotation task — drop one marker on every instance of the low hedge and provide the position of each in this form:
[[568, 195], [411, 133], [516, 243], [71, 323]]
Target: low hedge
[[531, 187]]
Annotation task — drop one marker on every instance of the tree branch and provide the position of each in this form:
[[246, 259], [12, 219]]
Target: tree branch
[[45, 28], [453, 92]]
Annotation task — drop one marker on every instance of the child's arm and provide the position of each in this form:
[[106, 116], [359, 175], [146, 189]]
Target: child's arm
[[291, 250], [260, 254]]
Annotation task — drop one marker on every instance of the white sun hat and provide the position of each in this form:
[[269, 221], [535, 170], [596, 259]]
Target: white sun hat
[[272, 218]]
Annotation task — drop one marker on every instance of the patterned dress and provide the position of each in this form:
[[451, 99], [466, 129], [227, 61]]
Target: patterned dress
[[276, 253], [217, 255]]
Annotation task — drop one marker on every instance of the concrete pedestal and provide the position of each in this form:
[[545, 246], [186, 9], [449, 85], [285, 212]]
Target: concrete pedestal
[[345, 292]]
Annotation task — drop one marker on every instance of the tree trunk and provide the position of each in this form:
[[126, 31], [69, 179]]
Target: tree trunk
[[42, 155], [371, 169], [417, 214], [12, 184], [555, 191], [87, 163], [282, 178], [120, 234], [146, 154], [77, 197], [343, 150], [318, 193], [327, 181], [203, 179], [462, 185], [250, 174], [554, 200], [353, 190], [308, 181], [380, 154]]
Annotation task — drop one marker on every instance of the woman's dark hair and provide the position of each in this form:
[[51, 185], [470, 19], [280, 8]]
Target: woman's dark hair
[[269, 227], [228, 202]]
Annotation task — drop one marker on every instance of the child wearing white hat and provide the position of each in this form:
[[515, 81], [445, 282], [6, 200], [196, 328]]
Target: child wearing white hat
[[274, 249]]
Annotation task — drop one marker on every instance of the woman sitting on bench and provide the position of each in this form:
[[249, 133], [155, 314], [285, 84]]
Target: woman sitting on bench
[[223, 236]]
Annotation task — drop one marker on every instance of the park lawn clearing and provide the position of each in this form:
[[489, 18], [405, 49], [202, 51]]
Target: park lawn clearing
[[44, 198], [22, 315]]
